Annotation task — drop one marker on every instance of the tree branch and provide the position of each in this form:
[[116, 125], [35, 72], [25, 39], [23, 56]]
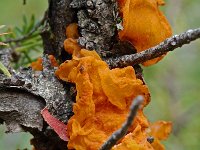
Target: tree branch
[[60, 15], [25, 94], [169, 44], [117, 135]]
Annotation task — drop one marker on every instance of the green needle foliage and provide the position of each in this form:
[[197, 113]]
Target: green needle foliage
[[25, 42], [4, 70]]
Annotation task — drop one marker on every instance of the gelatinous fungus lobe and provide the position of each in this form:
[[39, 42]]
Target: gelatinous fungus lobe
[[144, 25], [37, 65], [102, 101]]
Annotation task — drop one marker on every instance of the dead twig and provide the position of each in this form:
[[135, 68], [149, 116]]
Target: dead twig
[[169, 44], [117, 135]]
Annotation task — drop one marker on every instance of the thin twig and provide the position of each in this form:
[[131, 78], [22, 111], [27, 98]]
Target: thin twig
[[2, 26], [28, 35], [168, 45], [117, 135], [4, 33], [2, 44]]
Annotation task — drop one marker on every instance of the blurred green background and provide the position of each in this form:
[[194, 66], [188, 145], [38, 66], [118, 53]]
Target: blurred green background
[[173, 82]]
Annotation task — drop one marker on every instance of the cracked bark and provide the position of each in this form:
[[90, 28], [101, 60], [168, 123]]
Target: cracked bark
[[25, 94]]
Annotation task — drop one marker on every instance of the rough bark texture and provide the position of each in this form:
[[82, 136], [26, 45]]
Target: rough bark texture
[[24, 96], [19, 108], [98, 22], [59, 15]]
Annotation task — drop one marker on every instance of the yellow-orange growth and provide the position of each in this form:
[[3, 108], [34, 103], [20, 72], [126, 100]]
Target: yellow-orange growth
[[144, 24], [102, 102], [37, 65]]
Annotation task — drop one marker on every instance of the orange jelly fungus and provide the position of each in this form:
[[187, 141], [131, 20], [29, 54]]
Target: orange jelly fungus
[[53, 61], [70, 44], [102, 102], [72, 31], [37, 65], [144, 25], [160, 130]]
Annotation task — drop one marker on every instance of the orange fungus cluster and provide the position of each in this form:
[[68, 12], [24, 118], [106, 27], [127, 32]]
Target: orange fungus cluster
[[103, 99], [102, 102]]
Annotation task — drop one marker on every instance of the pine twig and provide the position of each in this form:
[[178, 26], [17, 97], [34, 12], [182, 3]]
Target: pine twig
[[28, 35], [1, 34], [169, 44], [120, 133]]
